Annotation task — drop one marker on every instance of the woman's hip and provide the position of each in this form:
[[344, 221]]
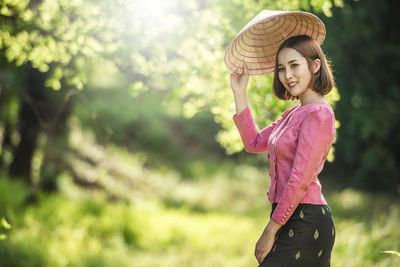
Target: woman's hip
[[305, 240]]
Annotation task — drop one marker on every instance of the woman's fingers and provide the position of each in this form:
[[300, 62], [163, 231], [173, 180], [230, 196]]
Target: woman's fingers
[[262, 257], [264, 246], [239, 80], [258, 253], [245, 68], [234, 74]]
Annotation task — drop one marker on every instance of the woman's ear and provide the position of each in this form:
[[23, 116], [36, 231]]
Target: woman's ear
[[316, 65]]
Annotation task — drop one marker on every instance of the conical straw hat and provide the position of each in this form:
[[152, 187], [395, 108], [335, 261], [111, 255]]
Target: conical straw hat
[[257, 43]]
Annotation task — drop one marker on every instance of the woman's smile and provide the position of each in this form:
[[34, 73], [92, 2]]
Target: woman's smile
[[292, 85]]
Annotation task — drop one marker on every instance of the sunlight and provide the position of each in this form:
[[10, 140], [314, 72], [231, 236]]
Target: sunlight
[[153, 8], [158, 15]]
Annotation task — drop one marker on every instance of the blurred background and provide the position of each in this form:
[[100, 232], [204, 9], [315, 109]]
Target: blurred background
[[118, 148]]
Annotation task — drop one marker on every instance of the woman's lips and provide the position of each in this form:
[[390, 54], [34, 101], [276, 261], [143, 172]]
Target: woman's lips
[[291, 85]]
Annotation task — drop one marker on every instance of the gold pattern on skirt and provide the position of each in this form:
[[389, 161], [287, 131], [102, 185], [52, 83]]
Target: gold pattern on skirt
[[323, 210], [320, 253], [274, 248], [298, 255], [291, 233], [333, 231], [301, 214], [316, 234]]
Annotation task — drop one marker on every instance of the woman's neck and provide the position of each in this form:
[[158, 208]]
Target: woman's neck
[[310, 97]]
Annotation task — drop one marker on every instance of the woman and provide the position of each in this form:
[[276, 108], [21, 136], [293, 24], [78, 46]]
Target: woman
[[301, 230]]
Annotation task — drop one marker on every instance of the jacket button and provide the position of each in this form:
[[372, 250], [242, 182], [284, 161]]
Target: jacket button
[[291, 206], [287, 213]]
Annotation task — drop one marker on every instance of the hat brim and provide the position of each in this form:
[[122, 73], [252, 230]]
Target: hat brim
[[254, 48]]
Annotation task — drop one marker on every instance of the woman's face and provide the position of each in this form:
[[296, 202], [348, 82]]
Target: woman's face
[[293, 71]]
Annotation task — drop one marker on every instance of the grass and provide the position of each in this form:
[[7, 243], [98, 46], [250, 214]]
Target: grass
[[60, 231], [92, 231], [161, 219]]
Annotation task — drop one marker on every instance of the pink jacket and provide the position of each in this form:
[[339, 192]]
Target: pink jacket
[[297, 145]]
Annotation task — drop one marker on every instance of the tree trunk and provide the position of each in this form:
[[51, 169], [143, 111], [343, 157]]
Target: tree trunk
[[56, 143], [29, 123], [5, 99]]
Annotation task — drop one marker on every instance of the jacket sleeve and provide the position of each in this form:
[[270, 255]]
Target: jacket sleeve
[[317, 133], [254, 141]]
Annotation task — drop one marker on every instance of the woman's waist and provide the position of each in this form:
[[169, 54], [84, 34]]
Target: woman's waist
[[311, 197], [313, 194], [304, 206]]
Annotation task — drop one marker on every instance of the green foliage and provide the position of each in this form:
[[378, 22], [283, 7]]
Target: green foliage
[[163, 219], [392, 252], [12, 195], [4, 225], [176, 47], [365, 225], [175, 51], [147, 123], [213, 222], [47, 36], [365, 58]]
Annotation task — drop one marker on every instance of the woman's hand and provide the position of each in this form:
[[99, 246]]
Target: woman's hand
[[239, 85], [265, 243], [239, 82], [264, 246]]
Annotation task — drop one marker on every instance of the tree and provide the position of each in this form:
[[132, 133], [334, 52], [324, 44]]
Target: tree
[[174, 47], [365, 52]]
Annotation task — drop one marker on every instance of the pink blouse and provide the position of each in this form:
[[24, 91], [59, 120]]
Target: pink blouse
[[297, 145]]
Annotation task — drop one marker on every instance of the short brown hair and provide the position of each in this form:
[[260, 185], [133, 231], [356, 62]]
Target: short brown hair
[[321, 82]]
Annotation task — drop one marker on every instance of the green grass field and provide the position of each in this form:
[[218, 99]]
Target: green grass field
[[213, 221]]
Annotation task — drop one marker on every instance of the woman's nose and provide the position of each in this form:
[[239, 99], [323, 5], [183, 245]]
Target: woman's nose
[[288, 74]]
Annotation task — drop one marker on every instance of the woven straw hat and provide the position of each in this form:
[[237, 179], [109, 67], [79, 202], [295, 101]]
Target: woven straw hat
[[256, 44]]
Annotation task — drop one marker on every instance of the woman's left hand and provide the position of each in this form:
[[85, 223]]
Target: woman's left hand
[[266, 241], [264, 246]]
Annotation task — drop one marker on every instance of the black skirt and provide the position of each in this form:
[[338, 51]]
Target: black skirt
[[305, 240]]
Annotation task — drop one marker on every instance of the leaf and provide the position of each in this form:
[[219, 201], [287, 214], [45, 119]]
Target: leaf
[[391, 252], [5, 224], [3, 237]]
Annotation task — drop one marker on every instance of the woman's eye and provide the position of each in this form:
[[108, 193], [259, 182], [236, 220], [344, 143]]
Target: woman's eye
[[294, 65], [280, 69]]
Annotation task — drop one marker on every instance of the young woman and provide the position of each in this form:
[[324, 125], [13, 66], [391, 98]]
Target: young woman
[[301, 230]]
